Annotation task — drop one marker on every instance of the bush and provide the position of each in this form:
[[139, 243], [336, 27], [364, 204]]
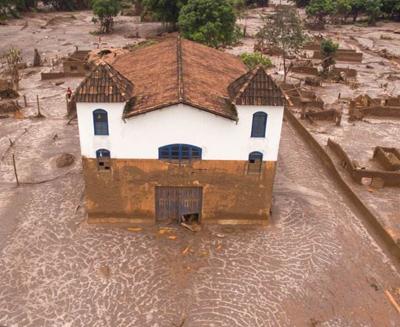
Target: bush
[[252, 60]]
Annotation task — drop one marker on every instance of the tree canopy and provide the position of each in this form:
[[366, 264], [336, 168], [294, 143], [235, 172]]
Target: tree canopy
[[284, 30], [212, 22], [104, 11]]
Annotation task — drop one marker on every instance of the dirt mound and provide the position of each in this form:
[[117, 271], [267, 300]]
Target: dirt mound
[[65, 160]]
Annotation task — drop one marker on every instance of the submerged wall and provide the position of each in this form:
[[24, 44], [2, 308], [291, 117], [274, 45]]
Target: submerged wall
[[127, 192]]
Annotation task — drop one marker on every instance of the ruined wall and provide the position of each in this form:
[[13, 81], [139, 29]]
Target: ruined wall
[[127, 193], [55, 75], [349, 193], [378, 111], [388, 178], [343, 55], [80, 67], [388, 158]]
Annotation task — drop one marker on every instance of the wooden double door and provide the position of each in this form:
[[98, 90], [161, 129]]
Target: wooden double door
[[174, 202]]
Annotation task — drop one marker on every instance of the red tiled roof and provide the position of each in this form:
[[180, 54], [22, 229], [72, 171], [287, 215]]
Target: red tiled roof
[[256, 88], [104, 84], [181, 71]]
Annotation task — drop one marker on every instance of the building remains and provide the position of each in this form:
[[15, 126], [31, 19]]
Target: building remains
[[176, 130]]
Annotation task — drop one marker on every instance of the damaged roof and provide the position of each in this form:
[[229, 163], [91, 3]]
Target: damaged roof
[[181, 71], [104, 84]]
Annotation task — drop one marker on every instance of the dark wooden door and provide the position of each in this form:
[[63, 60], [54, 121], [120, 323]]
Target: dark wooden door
[[174, 202]]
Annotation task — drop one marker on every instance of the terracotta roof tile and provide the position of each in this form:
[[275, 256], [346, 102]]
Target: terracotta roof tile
[[181, 71], [104, 84], [256, 88]]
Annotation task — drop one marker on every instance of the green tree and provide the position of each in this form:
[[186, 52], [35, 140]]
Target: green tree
[[391, 8], [212, 22], [252, 60], [320, 9], [25, 5], [165, 10], [105, 11], [343, 8], [6, 8], [301, 3], [373, 10], [283, 29], [328, 51]]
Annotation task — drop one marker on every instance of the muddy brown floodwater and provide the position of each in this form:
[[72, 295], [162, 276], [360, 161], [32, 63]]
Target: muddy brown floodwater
[[314, 265]]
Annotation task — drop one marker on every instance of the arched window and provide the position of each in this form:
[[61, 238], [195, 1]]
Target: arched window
[[179, 152], [255, 156], [103, 159], [103, 153], [259, 124], [255, 162], [100, 121]]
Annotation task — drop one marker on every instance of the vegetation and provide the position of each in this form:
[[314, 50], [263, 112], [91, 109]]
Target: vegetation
[[320, 9], [212, 22], [284, 30], [104, 11], [252, 60], [68, 4], [328, 51], [371, 10], [12, 58], [165, 10]]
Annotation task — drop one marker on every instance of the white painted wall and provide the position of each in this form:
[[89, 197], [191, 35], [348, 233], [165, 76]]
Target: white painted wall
[[139, 137]]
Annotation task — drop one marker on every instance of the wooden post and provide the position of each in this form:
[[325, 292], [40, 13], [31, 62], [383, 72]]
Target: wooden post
[[25, 103], [15, 169]]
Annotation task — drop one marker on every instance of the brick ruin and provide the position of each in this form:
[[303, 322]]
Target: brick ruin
[[75, 65], [388, 158], [361, 174], [364, 105]]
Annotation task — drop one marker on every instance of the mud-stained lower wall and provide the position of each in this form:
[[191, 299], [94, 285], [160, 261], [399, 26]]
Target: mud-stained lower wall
[[230, 195]]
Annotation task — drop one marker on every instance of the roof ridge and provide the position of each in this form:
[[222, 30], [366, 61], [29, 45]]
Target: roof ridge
[[179, 61]]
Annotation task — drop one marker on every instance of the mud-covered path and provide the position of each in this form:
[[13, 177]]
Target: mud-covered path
[[314, 263]]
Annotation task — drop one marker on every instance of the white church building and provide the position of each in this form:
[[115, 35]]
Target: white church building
[[177, 129]]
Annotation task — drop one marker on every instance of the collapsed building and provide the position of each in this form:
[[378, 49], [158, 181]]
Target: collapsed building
[[387, 158], [364, 105]]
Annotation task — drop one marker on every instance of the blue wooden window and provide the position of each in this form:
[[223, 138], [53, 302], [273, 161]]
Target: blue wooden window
[[179, 152], [100, 121], [259, 124], [103, 153], [255, 157]]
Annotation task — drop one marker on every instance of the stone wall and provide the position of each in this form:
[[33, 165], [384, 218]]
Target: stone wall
[[127, 192]]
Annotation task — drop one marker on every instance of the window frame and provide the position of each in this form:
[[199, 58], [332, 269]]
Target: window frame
[[255, 162], [96, 121], [103, 158], [255, 133], [176, 151]]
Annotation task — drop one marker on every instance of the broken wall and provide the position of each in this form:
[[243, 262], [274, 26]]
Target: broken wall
[[388, 178], [388, 158]]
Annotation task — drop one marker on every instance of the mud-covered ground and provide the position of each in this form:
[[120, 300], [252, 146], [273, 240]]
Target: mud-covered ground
[[314, 265]]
